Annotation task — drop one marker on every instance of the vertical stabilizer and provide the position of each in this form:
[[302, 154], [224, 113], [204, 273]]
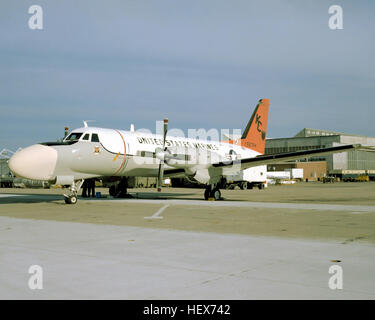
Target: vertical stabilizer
[[254, 135]]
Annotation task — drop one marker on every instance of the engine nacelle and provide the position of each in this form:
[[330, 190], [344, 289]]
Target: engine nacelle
[[185, 157], [201, 176], [64, 180], [204, 175]]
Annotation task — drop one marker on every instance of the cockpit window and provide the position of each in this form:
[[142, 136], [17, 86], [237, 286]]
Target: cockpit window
[[86, 136], [59, 143], [94, 138], [74, 136]]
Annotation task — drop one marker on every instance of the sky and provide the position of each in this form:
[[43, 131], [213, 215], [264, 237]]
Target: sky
[[202, 64]]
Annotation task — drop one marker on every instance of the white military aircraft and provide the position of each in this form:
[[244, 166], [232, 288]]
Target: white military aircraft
[[91, 152]]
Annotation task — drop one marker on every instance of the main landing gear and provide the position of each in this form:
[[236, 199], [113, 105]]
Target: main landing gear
[[73, 191], [212, 192], [119, 190]]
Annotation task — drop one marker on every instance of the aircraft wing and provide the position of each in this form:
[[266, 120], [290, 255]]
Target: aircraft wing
[[174, 173], [269, 159]]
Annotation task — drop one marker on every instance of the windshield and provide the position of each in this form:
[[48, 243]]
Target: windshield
[[59, 143], [94, 137], [73, 136]]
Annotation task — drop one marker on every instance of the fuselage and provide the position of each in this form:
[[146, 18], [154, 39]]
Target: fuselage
[[92, 152]]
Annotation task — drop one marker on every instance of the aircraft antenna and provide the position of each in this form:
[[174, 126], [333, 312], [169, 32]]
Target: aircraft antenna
[[86, 121]]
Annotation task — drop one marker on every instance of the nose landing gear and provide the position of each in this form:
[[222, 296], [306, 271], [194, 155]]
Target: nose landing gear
[[71, 199], [73, 191]]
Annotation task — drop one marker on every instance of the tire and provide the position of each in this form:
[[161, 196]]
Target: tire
[[70, 199], [244, 185], [206, 193], [112, 191], [123, 193], [73, 199], [216, 194]]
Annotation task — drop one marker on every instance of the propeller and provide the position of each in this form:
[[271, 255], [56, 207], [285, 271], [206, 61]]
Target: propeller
[[160, 154]]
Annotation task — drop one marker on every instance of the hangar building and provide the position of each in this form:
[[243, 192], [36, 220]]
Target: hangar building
[[342, 165], [6, 178]]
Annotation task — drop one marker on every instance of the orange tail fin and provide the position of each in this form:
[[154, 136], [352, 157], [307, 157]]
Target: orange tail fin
[[254, 136]]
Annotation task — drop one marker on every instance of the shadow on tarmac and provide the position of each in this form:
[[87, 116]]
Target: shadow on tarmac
[[10, 198], [28, 198]]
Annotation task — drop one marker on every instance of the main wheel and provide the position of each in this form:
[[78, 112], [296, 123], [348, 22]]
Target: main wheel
[[112, 191], [123, 193], [120, 190], [244, 186], [216, 194], [207, 193]]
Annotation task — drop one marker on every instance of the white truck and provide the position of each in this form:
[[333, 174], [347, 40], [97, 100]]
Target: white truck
[[248, 178], [296, 173]]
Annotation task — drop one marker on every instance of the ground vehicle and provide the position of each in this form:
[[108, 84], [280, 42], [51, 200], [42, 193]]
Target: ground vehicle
[[248, 178]]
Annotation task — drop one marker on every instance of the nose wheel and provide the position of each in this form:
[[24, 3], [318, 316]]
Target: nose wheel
[[74, 189], [70, 199]]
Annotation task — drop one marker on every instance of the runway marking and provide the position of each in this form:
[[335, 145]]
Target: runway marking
[[157, 213], [270, 205], [354, 209]]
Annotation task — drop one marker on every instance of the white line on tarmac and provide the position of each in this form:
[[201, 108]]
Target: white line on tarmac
[[247, 204], [157, 213], [355, 209]]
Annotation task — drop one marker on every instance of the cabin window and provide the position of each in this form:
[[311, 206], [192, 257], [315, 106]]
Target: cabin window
[[94, 137], [146, 154]]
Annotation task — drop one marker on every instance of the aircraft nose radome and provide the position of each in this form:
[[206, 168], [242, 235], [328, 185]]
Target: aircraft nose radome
[[37, 162]]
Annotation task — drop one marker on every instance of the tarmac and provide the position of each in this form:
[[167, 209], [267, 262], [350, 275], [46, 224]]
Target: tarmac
[[277, 243]]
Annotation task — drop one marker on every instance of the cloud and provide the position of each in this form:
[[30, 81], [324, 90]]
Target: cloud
[[201, 64]]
